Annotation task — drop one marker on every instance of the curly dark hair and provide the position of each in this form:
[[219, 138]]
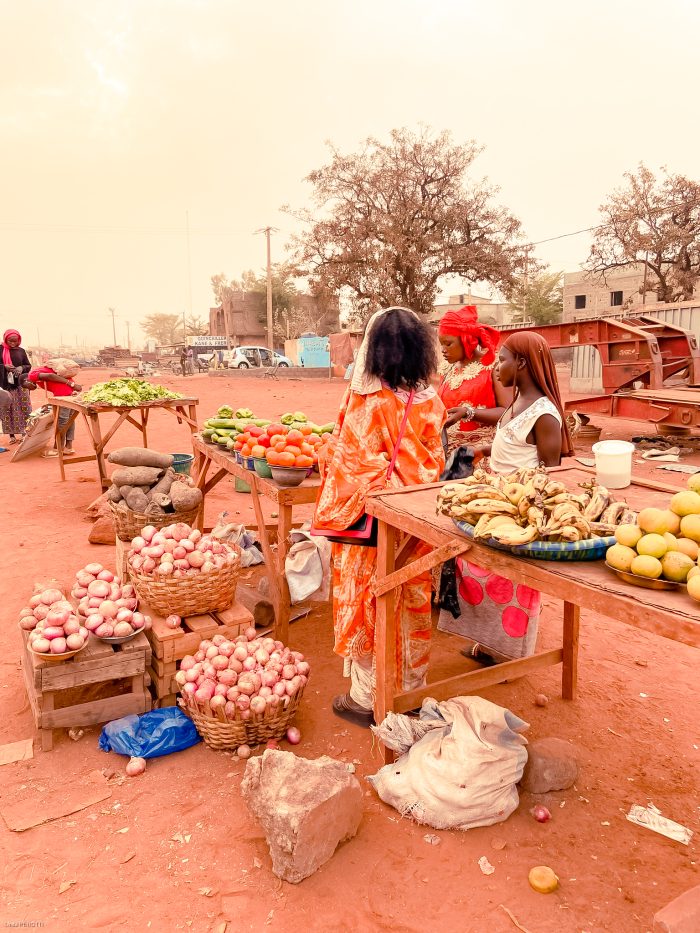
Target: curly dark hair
[[401, 350]]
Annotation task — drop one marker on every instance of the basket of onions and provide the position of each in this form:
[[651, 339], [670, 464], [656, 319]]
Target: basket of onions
[[55, 633], [179, 571], [241, 692], [108, 606]]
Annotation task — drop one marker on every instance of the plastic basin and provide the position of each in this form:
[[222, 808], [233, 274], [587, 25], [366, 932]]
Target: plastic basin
[[182, 463]]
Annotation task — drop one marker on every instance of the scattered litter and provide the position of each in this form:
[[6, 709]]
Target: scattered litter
[[178, 837], [583, 799], [351, 768], [65, 885], [431, 839], [641, 662], [587, 462], [498, 843], [651, 818], [76, 734], [644, 696], [612, 731], [125, 830], [605, 823], [679, 468], [127, 858], [269, 918], [666, 720], [513, 920], [16, 751], [35, 809], [485, 866], [562, 804], [206, 892], [257, 863]]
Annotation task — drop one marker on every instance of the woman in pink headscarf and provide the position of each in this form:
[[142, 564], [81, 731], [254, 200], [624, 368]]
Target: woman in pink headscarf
[[13, 377]]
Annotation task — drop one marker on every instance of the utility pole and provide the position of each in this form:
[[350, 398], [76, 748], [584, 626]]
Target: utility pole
[[270, 324], [644, 283], [128, 335], [189, 263], [114, 326], [527, 262]]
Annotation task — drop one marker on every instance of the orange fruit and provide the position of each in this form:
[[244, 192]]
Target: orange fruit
[[307, 450], [277, 438], [295, 437], [293, 449], [306, 430], [285, 459], [303, 461], [271, 456], [258, 451]]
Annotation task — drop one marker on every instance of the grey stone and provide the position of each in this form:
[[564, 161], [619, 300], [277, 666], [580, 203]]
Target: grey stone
[[551, 765], [681, 915], [306, 808]]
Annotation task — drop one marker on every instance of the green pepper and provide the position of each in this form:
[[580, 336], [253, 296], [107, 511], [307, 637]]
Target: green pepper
[[225, 412]]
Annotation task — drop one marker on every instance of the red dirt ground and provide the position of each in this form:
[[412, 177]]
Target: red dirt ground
[[634, 724]]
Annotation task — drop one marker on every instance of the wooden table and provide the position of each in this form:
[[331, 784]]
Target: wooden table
[[208, 455], [582, 584], [183, 409]]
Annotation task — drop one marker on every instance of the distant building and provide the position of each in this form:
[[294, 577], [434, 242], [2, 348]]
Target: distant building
[[588, 295], [489, 312], [243, 317]]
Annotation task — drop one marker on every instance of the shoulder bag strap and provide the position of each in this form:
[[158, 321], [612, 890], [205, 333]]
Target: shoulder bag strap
[[401, 433]]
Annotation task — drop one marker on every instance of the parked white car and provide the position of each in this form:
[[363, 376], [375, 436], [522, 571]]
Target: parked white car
[[247, 357]]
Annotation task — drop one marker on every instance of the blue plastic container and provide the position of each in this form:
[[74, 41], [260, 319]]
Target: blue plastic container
[[182, 463]]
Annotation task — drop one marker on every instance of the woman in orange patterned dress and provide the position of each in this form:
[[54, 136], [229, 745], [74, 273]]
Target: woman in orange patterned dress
[[395, 362]]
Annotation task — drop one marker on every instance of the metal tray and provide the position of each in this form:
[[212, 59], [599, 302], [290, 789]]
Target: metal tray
[[647, 582]]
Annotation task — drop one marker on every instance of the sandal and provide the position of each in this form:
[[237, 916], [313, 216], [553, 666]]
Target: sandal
[[68, 452], [345, 707], [15, 440], [50, 454], [476, 654]]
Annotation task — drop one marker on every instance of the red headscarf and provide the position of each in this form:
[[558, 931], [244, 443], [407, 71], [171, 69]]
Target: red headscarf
[[6, 355], [465, 325]]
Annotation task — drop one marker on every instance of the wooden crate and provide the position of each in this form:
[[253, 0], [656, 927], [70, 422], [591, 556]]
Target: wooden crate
[[122, 550], [102, 683], [171, 645]]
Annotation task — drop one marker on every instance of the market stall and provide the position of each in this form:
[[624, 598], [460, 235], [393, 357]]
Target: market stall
[[588, 584], [208, 456], [184, 410]]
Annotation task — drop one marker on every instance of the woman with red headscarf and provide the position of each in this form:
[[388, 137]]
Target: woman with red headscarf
[[13, 376], [469, 388]]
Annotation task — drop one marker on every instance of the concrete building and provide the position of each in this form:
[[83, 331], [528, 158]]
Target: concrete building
[[242, 317], [489, 312], [587, 295]]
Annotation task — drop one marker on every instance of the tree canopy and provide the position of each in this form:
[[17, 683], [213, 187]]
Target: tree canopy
[[539, 298], [652, 222], [394, 218], [165, 329]]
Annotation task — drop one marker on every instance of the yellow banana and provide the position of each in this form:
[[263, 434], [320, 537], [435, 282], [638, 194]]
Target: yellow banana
[[599, 502], [554, 488], [569, 533], [514, 492], [514, 536], [492, 507]]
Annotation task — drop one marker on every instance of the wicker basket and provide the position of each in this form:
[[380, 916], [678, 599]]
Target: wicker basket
[[224, 734], [128, 524], [189, 596]]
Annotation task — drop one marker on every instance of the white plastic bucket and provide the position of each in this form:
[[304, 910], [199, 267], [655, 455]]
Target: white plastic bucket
[[613, 463]]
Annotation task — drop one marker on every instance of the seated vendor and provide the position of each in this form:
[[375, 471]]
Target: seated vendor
[[56, 376]]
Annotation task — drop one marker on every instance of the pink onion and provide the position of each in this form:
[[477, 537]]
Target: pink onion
[[303, 668], [269, 678], [227, 677], [135, 766], [79, 592], [235, 665], [240, 653], [42, 645], [124, 615], [106, 630], [51, 596], [40, 612], [187, 662], [233, 693], [189, 689], [250, 633], [57, 616], [541, 813], [243, 702], [94, 569], [261, 656], [293, 735], [272, 745], [99, 588], [207, 567], [72, 626], [173, 621], [280, 688], [149, 565], [258, 705], [265, 692], [137, 620], [289, 671], [220, 690], [196, 559], [122, 630], [199, 656], [249, 664], [230, 710], [58, 646], [180, 678], [220, 663], [53, 631], [217, 702], [105, 575], [74, 642], [27, 623], [138, 543], [243, 751], [246, 685], [108, 609], [148, 532], [195, 535]]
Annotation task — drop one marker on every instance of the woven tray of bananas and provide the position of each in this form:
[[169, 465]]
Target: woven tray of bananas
[[533, 515]]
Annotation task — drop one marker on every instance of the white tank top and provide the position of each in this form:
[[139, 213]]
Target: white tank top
[[510, 450]]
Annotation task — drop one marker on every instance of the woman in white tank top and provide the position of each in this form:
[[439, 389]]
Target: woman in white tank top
[[499, 617]]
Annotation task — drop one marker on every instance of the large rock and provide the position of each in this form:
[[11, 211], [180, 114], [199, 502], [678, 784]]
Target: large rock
[[306, 808], [551, 765], [103, 531], [680, 916]]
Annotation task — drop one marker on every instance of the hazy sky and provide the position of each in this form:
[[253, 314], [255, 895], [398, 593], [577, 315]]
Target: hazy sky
[[118, 117]]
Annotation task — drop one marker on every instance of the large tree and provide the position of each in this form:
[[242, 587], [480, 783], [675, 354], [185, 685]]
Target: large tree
[[284, 291], [165, 329], [538, 298], [652, 222], [395, 218]]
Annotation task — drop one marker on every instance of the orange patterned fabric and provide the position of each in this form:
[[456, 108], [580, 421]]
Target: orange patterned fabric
[[357, 462]]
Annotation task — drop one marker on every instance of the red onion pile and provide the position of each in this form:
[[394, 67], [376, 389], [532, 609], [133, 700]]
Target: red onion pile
[[248, 678], [107, 605], [178, 551], [53, 626]]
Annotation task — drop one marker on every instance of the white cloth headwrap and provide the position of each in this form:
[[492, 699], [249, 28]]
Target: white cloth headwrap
[[362, 382]]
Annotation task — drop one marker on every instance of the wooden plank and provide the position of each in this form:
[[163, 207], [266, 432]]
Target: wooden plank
[[62, 677], [569, 676], [162, 686], [476, 680], [283, 604], [163, 668], [42, 433], [203, 623], [235, 615], [385, 634], [96, 711], [427, 562]]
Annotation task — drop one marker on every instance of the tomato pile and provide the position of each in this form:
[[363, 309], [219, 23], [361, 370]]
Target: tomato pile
[[281, 445]]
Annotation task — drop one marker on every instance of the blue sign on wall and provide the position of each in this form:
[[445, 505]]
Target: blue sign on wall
[[314, 352]]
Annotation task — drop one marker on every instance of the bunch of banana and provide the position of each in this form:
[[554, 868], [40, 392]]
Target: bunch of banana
[[528, 505]]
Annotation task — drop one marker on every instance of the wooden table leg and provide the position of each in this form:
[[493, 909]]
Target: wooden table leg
[[385, 632], [270, 561], [283, 605], [569, 675], [59, 443], [47, 706], [144, 425], [99, 448]]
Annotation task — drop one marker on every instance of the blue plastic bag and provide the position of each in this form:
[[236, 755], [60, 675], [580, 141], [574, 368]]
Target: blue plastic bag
[[160, 732]]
